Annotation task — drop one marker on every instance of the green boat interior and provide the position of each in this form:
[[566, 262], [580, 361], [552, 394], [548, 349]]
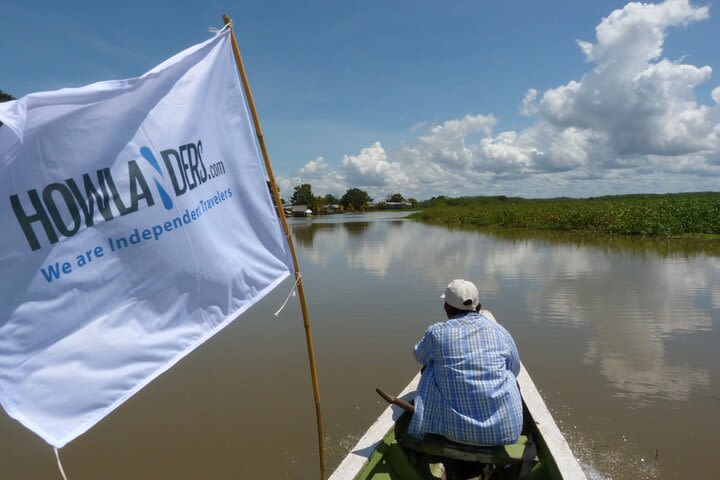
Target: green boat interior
[[400, 456]]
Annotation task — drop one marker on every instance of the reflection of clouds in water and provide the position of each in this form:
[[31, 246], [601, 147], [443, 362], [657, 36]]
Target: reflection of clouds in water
[[647, 377], [528, 260], [383, 247], [624, 292], [714, 264], [634, 303], [378, 247], [317, 241], [677, 286], [434, 253]]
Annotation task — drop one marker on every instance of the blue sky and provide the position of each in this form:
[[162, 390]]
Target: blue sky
[[425, 97]]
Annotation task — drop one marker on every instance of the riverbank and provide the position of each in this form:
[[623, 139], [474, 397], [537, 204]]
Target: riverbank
[[664, 215]]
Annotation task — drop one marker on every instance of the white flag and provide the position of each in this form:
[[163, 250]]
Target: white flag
[[136, 223]]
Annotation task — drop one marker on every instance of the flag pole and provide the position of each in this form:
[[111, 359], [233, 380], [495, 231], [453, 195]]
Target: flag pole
[[281, 214]]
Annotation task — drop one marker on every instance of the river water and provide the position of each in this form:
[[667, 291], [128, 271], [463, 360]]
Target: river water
[[621, 338]]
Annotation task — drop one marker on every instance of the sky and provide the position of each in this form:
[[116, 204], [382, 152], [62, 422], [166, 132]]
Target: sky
[[427, 98]]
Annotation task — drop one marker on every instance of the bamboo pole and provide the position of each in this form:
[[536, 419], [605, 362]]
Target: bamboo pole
[[281, 214]]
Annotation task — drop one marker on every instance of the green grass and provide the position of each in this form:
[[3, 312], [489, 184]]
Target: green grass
[[667, 215]]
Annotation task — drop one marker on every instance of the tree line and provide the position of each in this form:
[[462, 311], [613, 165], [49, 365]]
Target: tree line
[[353, 199]]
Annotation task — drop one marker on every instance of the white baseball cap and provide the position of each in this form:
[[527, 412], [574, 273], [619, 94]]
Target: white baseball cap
[[462, 295]]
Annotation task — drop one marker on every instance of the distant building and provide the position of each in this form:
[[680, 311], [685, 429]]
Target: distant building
[[301, 211], [399, 204], [330, 208]]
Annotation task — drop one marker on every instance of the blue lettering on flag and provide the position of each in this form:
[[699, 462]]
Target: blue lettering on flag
[[148, 155]]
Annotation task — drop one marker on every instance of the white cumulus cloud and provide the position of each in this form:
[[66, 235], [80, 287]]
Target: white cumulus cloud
[[372, 168], [529, 107], [640, 106]]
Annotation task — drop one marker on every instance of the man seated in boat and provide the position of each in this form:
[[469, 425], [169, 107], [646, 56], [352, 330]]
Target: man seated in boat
[[468, 391]]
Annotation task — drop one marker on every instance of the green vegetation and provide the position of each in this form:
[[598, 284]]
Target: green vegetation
[[683, 246], [355, 199], [683, 214], [302, 195], [330, 199]]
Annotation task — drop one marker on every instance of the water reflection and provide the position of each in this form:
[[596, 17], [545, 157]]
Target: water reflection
[[663, 247], [634, 301], [304, 233], [355, 228]]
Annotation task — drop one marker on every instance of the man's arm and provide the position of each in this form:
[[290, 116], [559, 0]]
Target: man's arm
[[423, 349], [514, 359]]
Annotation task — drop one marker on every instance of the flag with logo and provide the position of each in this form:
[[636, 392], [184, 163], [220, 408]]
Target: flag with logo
[[137, 223]]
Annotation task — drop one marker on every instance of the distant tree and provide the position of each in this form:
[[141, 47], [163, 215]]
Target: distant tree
[[330, 199], [355, 198], [413, 202], [395, 197], [303, 195]]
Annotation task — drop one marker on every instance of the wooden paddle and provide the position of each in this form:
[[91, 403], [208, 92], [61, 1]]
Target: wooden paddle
[[395, 401]]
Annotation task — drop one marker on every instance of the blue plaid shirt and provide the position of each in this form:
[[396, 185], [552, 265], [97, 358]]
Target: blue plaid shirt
[[468, 392]]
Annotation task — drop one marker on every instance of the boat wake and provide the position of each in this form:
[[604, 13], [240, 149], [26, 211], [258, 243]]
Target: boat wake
[[599, 461]]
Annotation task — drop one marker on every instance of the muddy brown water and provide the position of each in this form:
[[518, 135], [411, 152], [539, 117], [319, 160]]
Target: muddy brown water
[[622, 339]]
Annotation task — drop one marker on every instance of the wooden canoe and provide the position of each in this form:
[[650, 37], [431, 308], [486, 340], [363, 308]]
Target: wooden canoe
[[378, 455]]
